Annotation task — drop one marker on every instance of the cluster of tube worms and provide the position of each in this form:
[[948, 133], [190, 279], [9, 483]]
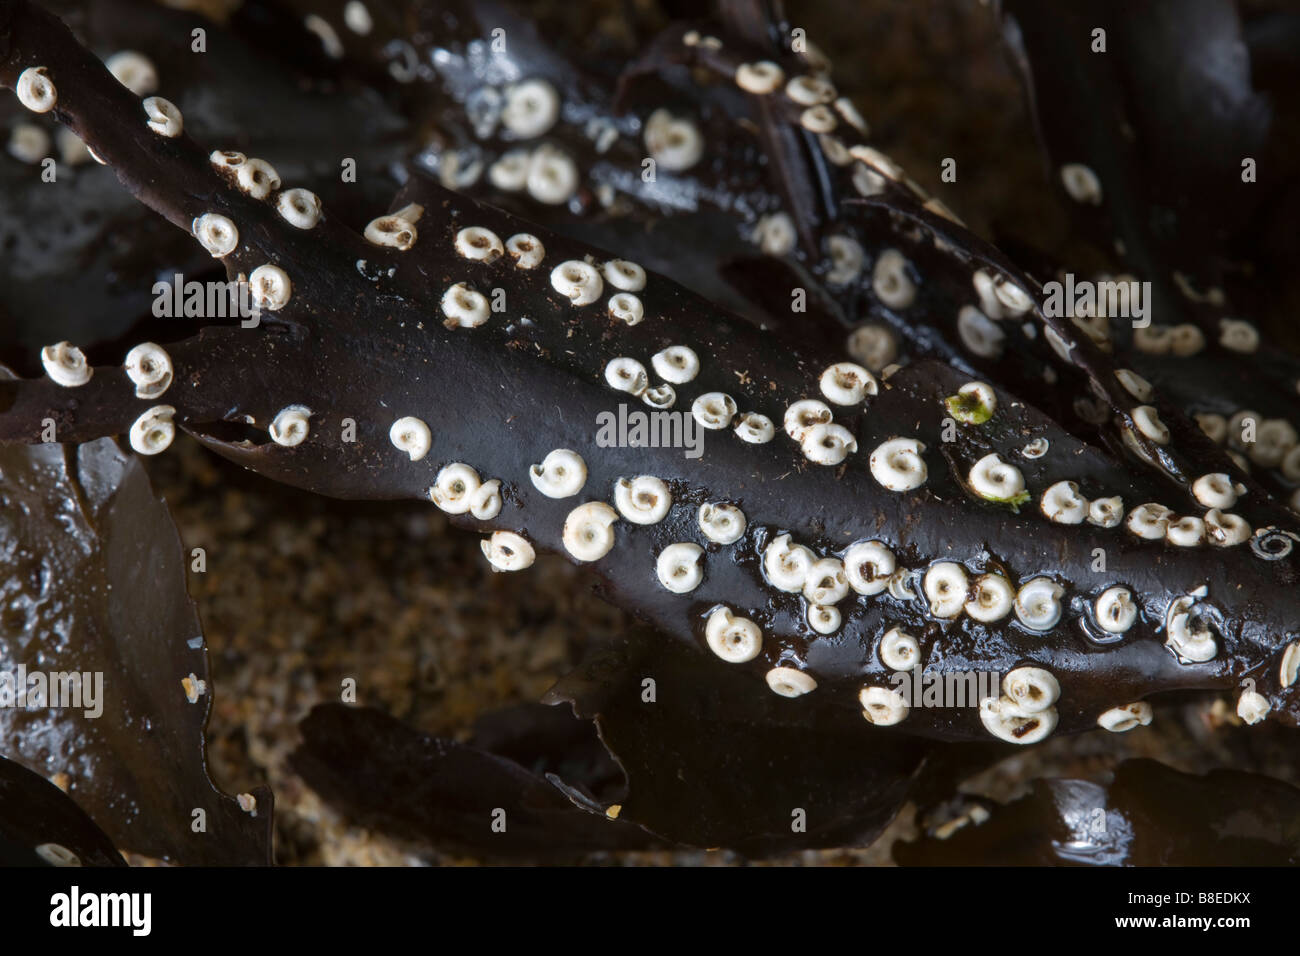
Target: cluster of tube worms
[[880, 489]]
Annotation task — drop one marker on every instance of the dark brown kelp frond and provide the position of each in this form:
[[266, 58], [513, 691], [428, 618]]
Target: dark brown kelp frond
[[540, 133], [746, 767], [886, 249], [451, 796], [918, 272], [814, 527], [1175, 167], [95, 600]]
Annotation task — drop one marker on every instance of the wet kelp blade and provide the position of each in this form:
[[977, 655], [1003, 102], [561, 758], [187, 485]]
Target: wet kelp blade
[[711, 763], [82, 256], [386, 775], [94, 586]]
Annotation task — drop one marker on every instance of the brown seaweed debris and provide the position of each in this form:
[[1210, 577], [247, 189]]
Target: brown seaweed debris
[[836, 529], [366, 395]]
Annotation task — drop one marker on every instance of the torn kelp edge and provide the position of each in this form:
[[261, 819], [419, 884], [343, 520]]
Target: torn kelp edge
[[449, 796]]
